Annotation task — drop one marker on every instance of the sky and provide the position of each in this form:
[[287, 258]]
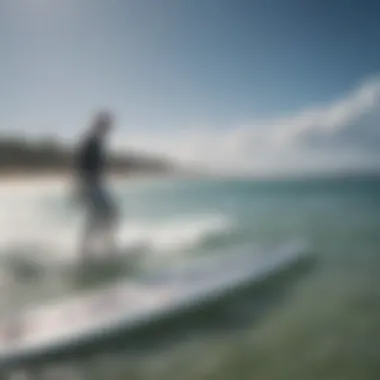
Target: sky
[[233, 85]]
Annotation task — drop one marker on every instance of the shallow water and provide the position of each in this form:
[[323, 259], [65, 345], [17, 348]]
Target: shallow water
[[327, 326]]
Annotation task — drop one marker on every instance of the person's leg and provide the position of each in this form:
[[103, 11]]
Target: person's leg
[[91, 223], [107, 216], [87, 237], [110, 225]]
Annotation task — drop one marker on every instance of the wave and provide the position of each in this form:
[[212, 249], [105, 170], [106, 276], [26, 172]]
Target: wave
[[60, 239], [185, 232], [38, 234], [48, 254]]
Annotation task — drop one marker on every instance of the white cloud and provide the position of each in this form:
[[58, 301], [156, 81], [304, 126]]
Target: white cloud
[[340, 135]]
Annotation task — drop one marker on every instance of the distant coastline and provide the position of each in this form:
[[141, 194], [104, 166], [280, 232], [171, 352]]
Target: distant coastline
[[20, 158]]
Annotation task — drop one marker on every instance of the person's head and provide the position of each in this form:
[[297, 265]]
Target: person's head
[[102, 124]]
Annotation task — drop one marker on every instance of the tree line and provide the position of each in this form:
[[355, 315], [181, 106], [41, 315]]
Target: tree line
[[17, 154]]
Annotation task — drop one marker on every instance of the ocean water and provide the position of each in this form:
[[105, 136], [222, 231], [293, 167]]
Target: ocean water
[[328, 325]]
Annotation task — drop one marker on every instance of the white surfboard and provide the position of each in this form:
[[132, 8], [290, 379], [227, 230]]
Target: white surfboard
[[51, 332]]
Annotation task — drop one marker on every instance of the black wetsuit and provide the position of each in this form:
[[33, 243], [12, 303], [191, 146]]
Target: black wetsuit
[[90, 160], [90, 164]]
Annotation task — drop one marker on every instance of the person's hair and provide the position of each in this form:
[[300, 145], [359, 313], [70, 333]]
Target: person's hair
[[102, 118]]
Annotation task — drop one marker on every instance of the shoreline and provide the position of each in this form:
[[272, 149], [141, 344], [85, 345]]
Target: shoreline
[[62, 179]]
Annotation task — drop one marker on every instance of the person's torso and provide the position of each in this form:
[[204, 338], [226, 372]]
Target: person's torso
[[91, 160]]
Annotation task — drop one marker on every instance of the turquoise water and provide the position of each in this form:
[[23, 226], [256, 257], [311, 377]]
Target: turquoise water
[[328, 327]]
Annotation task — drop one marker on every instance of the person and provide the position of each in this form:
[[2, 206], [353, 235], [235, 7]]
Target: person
[[101, 212]]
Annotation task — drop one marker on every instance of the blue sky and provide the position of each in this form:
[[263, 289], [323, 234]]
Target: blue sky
[[185, 76]]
